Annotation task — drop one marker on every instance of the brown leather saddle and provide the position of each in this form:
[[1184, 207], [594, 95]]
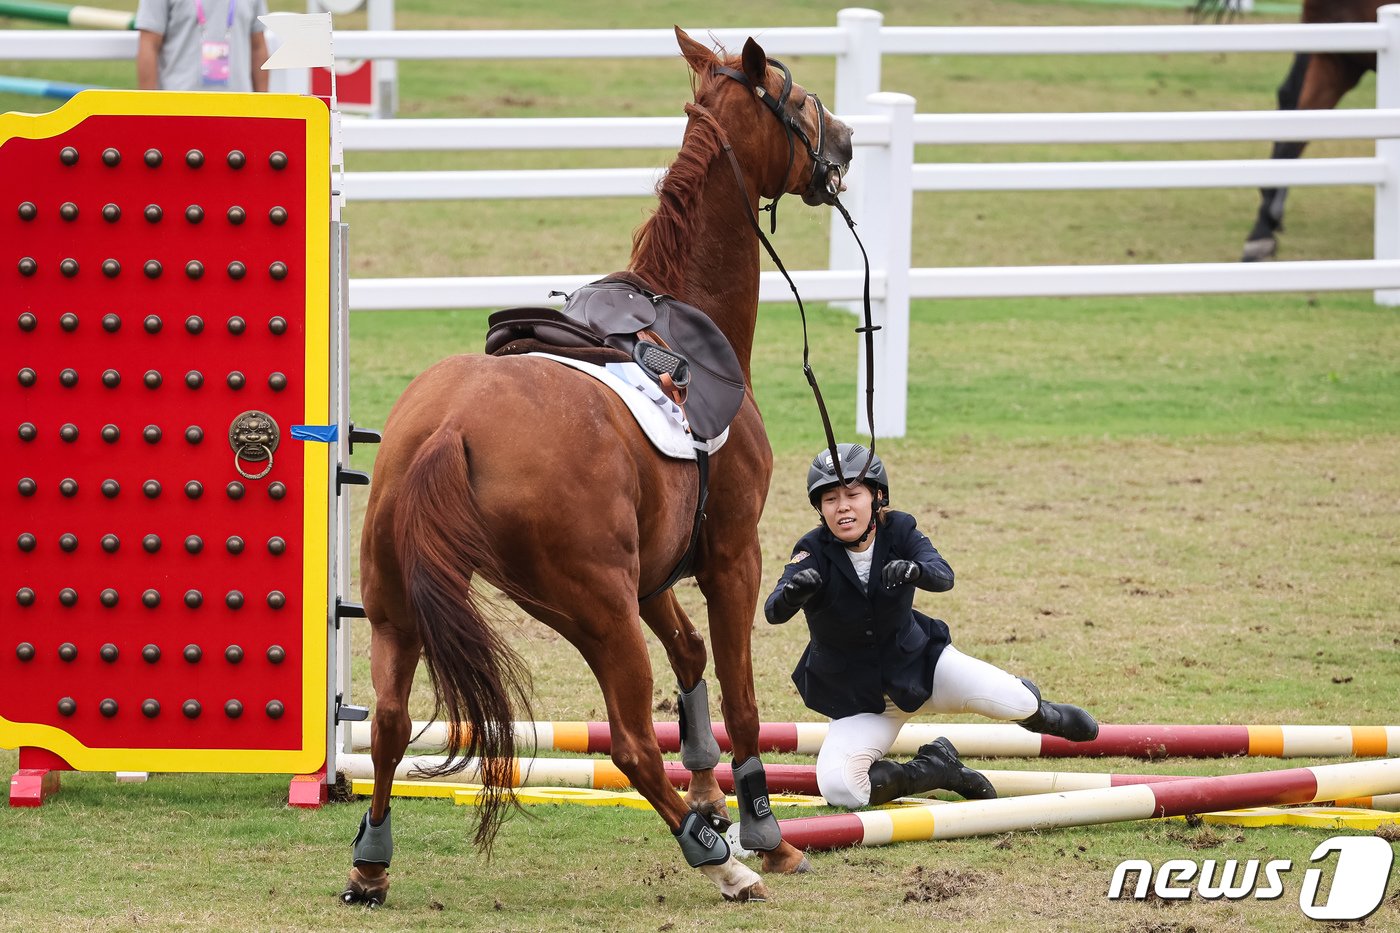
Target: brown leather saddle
[[619, 319]]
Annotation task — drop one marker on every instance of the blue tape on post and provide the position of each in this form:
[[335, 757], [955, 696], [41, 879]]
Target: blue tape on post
[[323, 433]]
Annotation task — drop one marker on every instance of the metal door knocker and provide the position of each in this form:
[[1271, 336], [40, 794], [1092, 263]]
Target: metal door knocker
[[253, 436]]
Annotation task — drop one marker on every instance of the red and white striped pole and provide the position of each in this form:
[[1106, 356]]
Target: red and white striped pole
[[600, 774], [988, 740], [1087, 807]]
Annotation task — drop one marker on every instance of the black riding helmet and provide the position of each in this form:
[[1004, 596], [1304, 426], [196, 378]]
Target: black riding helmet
[[821, 475]]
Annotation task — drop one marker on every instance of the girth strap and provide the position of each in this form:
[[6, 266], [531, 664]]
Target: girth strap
[[682, 569]]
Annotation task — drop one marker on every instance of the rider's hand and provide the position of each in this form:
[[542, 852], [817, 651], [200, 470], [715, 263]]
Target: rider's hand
[[802, 587], [899, 572]]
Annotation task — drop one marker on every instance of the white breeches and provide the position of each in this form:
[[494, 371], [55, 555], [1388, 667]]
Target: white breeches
[[961, 684]]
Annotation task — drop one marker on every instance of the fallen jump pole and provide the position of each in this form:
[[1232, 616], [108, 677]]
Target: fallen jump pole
[[599, 774], [79, 17], [577, 772], [985, 740], [1089, 807]]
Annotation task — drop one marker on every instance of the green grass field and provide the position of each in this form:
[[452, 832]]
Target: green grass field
[[1167, 510]]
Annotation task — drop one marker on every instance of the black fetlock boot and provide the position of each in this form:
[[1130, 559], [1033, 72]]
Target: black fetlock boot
[[1060, 719], [935, 767]]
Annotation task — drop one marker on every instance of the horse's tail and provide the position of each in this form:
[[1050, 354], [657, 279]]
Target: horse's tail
[[1205, 11], [478, 680]]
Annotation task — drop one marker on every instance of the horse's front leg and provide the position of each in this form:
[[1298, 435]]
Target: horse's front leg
[[685, 649], [732, 596], [613, 646]]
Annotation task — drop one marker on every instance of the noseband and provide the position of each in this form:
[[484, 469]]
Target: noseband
[[822, 167]]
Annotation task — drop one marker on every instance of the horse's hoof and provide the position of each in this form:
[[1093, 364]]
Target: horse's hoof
[[360, 889], [786, 860], [755, 893], [351, 897], [1259, 250], [736, 881]]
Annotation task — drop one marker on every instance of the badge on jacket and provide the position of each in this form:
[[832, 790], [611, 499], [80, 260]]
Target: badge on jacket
[[799, 557]]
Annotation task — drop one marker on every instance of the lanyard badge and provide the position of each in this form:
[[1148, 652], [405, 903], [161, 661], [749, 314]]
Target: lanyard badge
[[214, 55]]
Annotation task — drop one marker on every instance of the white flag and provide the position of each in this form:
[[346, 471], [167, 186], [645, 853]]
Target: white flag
[[306, 40]]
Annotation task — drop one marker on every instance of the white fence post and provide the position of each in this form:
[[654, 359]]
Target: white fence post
[[386, 70], [887, 237], [857, 77], [1387, 215]]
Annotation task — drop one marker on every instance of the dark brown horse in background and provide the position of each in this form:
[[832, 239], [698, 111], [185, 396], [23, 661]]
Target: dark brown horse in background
[[536, 478], [1316, 81]]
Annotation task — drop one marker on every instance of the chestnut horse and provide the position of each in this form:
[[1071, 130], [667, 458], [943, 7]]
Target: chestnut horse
[[536, 478], [1315, 81]]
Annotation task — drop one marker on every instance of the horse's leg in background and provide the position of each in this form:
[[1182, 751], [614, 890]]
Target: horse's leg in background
[[1314, 82], [685, 648], [1261, 242], [729, 577]]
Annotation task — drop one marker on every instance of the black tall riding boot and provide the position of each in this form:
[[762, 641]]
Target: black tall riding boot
[[935, 767], [1060, 719]]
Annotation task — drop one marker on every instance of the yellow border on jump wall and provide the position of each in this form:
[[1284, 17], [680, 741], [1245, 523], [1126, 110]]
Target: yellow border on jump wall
[[316, 118]]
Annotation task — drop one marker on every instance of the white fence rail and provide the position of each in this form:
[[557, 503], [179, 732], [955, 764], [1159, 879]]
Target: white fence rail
[[871, 131], [885, 175]]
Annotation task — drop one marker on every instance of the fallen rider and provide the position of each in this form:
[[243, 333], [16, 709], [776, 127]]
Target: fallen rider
[[873, 661]]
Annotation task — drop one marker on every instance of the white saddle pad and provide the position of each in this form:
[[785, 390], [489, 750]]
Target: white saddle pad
[[660, 419]]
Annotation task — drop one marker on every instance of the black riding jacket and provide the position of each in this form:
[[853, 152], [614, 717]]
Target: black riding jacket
[[867, 642]]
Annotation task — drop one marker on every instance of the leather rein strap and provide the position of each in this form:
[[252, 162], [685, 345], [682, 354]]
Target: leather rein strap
[[821, 167]]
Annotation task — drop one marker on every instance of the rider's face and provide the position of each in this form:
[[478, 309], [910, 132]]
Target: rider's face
[[846, 510]]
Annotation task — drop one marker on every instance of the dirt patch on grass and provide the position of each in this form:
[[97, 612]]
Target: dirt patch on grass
[[1203, 838], [941, 884], [1159, 926]]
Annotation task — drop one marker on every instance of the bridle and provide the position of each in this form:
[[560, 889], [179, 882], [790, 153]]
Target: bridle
[[822, 167]]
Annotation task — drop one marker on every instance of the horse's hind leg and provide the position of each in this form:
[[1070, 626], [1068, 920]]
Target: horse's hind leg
[[685, 648], [394, 651]]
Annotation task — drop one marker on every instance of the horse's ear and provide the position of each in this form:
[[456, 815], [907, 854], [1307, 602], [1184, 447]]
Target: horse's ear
[[700, 59], [755, 63]]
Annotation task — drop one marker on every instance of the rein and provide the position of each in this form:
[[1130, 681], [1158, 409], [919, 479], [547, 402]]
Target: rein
[[821, 170]]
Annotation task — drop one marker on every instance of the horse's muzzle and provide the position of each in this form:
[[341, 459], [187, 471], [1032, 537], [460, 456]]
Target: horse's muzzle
[[828, 175], [826, 184]]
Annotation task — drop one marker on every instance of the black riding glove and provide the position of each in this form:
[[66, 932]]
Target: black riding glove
[[802, 587], [899, 572]]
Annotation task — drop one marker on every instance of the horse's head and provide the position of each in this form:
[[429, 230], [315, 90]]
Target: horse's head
[[783, 135]]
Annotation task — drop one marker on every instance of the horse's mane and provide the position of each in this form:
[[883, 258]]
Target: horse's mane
[[662, 244]]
